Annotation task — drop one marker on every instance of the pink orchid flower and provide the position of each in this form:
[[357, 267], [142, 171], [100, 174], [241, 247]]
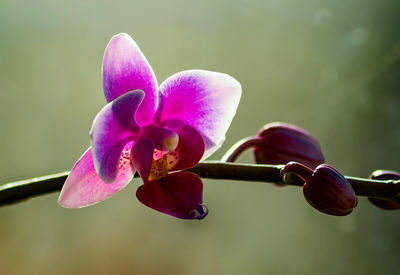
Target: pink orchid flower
[[156, 131]]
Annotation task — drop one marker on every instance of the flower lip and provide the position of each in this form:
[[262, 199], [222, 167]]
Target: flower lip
[[141, 157], [199, 215], [179, 194]]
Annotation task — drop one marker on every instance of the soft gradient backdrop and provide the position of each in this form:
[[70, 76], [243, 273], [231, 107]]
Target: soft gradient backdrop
[[331, 67]]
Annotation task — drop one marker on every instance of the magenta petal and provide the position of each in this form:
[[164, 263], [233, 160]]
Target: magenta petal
[[112, 128], [142, 156], [178, 194], [190, 148], [204, 100], [83, 186], [164, 139], [125, 68], [124, 109]]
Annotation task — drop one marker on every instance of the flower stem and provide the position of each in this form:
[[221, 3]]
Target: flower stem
[[239, 147], [385, 189]]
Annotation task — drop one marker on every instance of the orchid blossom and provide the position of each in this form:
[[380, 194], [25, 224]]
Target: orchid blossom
[[156, 131]]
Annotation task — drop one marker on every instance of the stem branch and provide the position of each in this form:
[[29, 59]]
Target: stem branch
[[239, 147], [388, 189]]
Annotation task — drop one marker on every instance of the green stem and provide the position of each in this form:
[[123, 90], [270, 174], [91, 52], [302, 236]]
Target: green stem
[[21, 190], [239, 147]]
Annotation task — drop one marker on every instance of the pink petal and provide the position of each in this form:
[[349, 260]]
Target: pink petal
[[83, 186], [189, 151], [113, 127], [142, 157], [125, 68], [178, 194], [204, 100]]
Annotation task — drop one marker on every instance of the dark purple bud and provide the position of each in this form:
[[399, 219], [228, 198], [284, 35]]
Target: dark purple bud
[[385, 175], [325, 188], [282, 142]]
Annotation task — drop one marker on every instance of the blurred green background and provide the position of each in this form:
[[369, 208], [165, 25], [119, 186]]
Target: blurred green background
[[331, 67]]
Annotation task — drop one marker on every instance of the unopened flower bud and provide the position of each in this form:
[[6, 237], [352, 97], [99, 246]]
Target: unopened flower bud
[[325, 188], [282, 142], [385, 175]]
